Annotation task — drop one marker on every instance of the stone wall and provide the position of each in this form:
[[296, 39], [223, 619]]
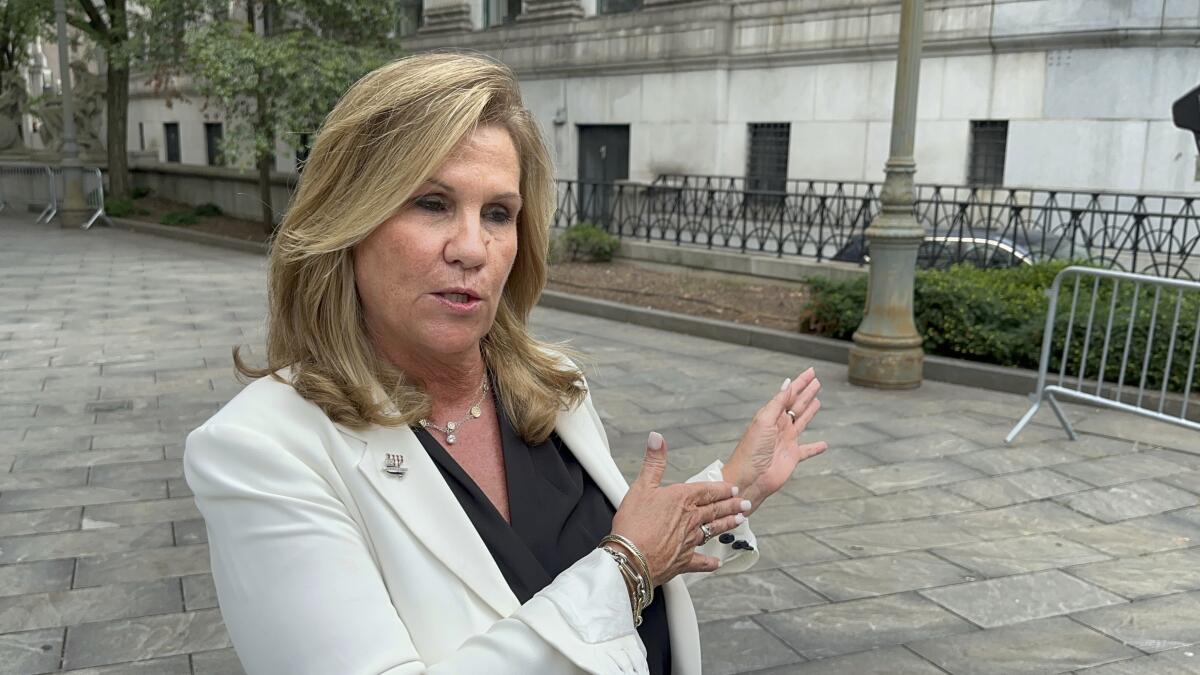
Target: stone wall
[[234, 191]]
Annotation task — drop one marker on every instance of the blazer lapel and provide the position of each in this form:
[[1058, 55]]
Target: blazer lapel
[[579, 432], [427, 507]]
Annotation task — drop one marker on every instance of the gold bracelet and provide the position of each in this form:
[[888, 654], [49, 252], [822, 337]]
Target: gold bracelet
[[634, 584], [624, 541]]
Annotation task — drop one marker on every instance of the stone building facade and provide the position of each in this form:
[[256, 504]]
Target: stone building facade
[[1041, 93]]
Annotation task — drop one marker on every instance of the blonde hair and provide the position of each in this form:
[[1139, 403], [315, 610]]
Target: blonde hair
[[385, 137]]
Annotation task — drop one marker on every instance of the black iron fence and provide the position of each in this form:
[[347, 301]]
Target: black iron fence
[[826, 220]]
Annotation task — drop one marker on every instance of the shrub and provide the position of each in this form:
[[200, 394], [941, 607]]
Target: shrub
[[118, 208], [586, 242], [992, 315], [140, 191], [207, 209], [179, 218], [998, 316]]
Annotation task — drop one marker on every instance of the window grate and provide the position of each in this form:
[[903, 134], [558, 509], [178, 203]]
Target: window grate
[[989, 145], [767, 162]]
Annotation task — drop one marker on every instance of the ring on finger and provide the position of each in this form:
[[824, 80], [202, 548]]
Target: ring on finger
[[791, 414], [707, 531]]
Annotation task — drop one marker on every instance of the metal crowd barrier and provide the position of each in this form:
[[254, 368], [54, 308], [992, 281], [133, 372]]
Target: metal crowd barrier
[[93, 192], [1136, 352], [29, 187]]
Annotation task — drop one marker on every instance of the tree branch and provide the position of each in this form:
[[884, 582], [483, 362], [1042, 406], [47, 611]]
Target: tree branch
[[94, 17]]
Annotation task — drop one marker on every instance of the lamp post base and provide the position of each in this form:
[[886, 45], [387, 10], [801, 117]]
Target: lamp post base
[[71, 218], [886, 367]]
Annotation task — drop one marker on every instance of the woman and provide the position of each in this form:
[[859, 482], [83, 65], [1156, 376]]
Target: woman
[[414, 484]]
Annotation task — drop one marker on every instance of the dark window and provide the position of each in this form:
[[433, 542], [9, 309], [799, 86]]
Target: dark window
[[767, 163], [513, 10], [989, 143], [603, 160], [141, 136], [408, 17], [171, 140], [213, 133], [302, 152], [619, 6]]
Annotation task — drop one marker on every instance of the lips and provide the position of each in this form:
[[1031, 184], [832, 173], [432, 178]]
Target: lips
[[459, 295], [459, 300]]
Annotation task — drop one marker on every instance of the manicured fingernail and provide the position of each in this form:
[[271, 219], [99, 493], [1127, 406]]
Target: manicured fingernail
[[746, 504], [808, 372], [785, 384], [735, 490], [655, 441], [739, 519]]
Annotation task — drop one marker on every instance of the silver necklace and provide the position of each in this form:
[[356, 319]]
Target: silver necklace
[[452, 428]]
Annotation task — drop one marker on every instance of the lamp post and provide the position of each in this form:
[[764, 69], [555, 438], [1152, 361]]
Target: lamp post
[[887, 348], [74, 211]]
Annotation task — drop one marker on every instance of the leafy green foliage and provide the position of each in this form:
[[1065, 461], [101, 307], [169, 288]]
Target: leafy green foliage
[[998, 316], [140, 191], [118, 207], [20, 22], [1111, 309], [187, 217], [984, 315], [585, 242], [282, 84], [835, 306], [207, 209]]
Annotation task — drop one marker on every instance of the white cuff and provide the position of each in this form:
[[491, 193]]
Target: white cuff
[[732, 559]]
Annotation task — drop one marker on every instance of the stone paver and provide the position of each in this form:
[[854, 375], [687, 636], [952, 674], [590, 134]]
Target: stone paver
[[1032, 648], [1150, 625], [114, 345], [1009, 600]]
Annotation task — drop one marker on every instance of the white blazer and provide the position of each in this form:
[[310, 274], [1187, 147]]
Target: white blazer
[[324, 564]]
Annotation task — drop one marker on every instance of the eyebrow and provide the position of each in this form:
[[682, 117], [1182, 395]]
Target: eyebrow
[[447, 188]]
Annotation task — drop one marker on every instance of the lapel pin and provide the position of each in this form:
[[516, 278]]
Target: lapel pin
[[394, 465]]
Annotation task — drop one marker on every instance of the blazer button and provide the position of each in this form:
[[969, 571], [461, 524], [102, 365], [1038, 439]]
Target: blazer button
[[743, 545], [726, 538]]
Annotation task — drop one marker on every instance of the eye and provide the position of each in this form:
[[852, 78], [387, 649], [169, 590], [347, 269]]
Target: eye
[[431, 203], [500, 216]]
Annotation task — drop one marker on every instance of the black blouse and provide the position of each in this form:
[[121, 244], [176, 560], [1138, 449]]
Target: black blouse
[[558, 516]]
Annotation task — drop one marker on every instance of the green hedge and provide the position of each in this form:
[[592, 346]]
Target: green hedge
[[997, 316], [187, 217], [583, 241]]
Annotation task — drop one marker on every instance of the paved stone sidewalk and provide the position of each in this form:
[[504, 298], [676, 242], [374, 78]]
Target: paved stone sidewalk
[[918, 543]]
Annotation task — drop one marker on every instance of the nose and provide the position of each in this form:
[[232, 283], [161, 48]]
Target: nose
[[468, 245]]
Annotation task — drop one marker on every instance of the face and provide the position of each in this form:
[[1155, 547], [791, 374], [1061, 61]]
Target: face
[[430, 277]]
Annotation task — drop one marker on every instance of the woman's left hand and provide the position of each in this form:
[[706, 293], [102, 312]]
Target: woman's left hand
[[770, 449]]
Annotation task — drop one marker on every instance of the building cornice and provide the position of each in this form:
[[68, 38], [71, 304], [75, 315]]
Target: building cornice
[[732, 35]]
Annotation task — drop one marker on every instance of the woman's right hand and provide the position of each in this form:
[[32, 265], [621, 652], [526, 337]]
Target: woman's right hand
[[664, 521]]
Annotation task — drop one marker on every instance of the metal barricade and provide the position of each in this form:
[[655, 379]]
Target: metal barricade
[[1135, 351], [93, 193], [29, 187]]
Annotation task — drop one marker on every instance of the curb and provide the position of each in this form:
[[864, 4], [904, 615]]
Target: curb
[[172, 232], [937, 368]]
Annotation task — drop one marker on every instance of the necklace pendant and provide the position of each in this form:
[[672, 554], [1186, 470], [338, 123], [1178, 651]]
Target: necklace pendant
[[450, 426], [475, 411], [450, 438]]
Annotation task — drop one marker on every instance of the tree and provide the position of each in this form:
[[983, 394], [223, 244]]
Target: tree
[[278, 70], [107, 24], [20, 22]]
